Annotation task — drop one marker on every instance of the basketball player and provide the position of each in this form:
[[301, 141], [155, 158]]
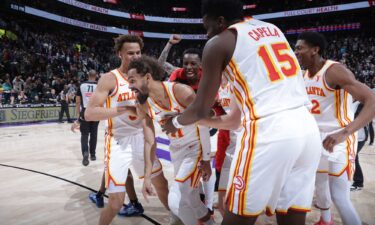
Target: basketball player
[[125, 135], [330, 87], [188, 149], [190, 74], [225, 97], [275, 159], [191, 71], [87, 128]]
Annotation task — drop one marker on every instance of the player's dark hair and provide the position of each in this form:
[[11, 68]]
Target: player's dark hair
[[127, 38], [194, 51], [229, 9], [146, 64], [314, 39]]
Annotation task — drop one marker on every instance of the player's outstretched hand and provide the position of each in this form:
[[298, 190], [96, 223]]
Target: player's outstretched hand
[[205, 168], [147, 189]]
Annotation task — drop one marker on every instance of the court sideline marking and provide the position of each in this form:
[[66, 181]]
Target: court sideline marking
[[74, 183]]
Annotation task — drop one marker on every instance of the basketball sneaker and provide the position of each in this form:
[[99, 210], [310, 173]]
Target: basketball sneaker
[[131, 209], [98, 200], [321, 222], [355, 188]]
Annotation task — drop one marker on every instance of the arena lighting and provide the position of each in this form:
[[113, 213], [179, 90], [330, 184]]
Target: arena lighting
[[326, 28], [111, 1], [179, 9], [252, 6], [290, 13]]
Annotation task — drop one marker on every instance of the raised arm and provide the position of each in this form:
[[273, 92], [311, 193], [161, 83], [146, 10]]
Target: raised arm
[[95, 110], [216, 55], [169, 68]]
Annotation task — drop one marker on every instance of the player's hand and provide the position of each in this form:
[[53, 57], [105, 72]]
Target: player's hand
[[205, 168], [174, 39], [147, 189], [75, 126], [168, 126], [333, 139]]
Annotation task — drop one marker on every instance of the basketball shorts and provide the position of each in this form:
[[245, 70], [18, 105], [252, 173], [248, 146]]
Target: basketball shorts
[[120, 155], [274, 165], [224, 176], [341, 159], [185, 160]]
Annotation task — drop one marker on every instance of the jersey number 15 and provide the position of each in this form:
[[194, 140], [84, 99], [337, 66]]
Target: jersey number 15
[[282, 52]]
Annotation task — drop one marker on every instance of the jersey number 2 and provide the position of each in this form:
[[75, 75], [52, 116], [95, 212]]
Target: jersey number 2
[[280, 50], [316, 107]]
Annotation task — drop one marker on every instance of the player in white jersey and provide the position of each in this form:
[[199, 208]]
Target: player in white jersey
[[275, 160], [330, 87], [161, 100], [225, 97], [126, 136]]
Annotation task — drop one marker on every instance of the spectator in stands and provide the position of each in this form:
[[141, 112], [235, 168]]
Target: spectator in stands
[[8, 90], [22, 98], [18, 84], [64, 101], [1, 92], [52, 97]]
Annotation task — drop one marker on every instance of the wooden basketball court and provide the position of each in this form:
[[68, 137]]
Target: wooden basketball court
[[43, 181]]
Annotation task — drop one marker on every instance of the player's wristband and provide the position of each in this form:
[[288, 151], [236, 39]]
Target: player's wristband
[[206, 157], [176, 123]]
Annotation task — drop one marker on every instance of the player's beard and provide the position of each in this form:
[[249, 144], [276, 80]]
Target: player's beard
[[142, 98]]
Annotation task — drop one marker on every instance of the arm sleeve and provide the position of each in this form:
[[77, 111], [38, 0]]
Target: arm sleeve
[[204, 133]]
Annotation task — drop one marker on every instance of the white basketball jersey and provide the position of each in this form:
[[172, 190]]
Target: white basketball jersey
[[264, 72], [331, 108], [185, 135], [123, 125], [225, 95]]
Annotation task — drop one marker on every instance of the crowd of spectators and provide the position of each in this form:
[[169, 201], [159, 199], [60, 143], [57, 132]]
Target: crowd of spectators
[[357, 53], [38, 62]]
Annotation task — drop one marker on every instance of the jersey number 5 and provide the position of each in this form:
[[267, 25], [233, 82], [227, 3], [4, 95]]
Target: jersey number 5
[[281, 51]]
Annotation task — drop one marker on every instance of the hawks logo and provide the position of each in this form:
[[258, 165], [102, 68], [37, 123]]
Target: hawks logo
[[238, 183]]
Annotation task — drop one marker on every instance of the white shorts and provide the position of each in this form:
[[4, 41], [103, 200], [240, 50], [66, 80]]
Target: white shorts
[[185, 161], [225, 169], [274, 165], [224, 175], [120, 155], [343, 154]]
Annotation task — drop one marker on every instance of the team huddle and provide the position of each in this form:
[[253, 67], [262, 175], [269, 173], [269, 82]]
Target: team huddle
[[291, 132]]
